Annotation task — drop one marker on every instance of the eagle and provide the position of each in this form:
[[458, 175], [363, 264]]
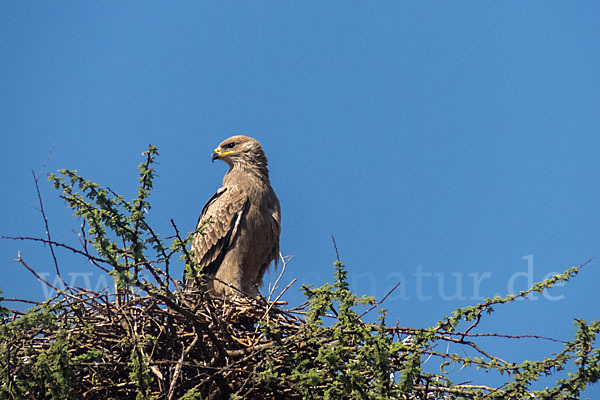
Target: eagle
[[237, 235]]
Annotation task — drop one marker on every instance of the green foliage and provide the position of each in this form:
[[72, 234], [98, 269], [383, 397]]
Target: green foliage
[[193, 394], [113, 220], [332, 361], [35, 372], [474, 313], [140, 372], [52, 367], [332, 355], [336, 355], [328, 353], [3, 310]]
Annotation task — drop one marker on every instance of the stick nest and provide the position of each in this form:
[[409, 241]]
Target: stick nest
[[151, 345]]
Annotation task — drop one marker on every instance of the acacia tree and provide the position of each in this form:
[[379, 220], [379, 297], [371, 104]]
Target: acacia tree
[[150, 338]]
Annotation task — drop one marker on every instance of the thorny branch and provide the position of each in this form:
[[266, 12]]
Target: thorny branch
[[50, 245]]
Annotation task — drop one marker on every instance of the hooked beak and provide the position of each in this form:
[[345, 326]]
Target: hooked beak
[[216, 154]]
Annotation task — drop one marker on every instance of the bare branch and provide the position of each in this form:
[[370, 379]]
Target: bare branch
[[39, 195], [57, 244], [20, 260], [378, 303]]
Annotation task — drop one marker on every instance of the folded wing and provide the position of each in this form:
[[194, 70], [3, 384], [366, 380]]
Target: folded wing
[[217, 227]]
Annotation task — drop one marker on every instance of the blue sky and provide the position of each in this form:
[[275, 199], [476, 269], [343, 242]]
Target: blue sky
[[440, 142]]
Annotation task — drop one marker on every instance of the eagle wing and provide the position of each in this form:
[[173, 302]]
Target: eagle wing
[[217, 227]]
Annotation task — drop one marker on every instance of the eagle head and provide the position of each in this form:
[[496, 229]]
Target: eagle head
[[240, 150]]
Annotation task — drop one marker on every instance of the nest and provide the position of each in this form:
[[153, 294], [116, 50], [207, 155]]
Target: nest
[[154, 346]]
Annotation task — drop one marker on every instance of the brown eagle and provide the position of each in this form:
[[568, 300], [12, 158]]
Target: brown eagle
[[238, 231]]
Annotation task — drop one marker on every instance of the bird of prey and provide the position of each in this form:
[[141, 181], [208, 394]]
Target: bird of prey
[[237, 234]]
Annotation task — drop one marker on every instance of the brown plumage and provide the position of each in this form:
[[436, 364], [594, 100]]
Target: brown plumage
[[241, 237]]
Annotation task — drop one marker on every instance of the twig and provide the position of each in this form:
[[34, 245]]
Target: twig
[[284, 290], [177, 371], [84, 242], [378, 303], [248, 350], [20, 260], [441, 334], [337, 253], [466, 390], [272, 303], [22, 300], [57, 244], [183, 248], [284, 262], [39, 195]]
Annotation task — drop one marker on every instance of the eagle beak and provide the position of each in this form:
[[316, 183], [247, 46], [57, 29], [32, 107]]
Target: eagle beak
[[216, 154]]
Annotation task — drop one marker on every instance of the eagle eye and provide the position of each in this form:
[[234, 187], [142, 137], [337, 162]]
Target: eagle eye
[[229, 145]]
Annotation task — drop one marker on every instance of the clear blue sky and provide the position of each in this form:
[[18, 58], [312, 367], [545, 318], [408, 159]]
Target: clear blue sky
[[440, 142]]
